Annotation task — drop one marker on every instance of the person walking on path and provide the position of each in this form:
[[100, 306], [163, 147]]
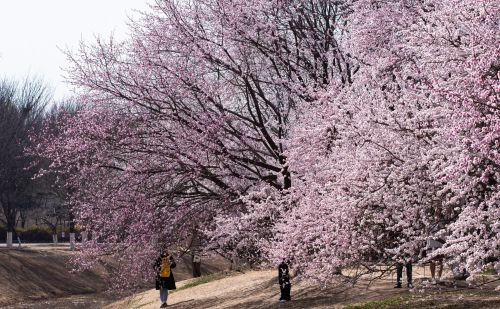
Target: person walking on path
[[284, 281], [164, 276]]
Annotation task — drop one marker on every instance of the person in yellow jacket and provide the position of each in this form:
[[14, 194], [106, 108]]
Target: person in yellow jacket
[[164, 276]]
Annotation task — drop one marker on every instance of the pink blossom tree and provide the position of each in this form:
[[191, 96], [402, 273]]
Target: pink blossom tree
[[332, 132], [394, 158], [186, 117]]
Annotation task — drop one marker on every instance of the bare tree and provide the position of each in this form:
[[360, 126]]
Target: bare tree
[[22, 107]]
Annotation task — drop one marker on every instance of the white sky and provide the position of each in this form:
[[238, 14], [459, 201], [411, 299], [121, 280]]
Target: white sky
[[32, 31]]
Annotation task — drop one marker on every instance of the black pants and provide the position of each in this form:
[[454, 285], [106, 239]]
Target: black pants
[[285, 291], [399, 272]]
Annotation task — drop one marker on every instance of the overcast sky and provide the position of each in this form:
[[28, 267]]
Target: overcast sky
[[31, 31]]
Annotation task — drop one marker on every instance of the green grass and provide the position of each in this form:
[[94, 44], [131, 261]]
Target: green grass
[[380, 304], [444, 301], [144, 305], [389, 303], [205, 279], [490, 271]]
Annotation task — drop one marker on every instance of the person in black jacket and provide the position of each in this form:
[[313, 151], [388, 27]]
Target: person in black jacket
[[399, 274], [284, 281], [164, 276]]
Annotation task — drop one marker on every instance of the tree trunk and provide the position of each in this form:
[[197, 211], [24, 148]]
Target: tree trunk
[[9, 212], [11, 224], [24, 217], [71, 222], [288, 180], [9, 239], [72, 241]]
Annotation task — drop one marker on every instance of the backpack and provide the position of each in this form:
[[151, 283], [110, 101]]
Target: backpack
[[165, 267]]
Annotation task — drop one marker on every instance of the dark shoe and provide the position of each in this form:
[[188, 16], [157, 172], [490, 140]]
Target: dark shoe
[[397, 286], [164, 305]]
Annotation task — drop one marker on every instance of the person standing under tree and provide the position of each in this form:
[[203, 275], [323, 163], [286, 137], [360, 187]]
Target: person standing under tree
[[434, 243], [404, 260], [284, 281], [164, 276], [399, 274], [436, 261], [196, 265]]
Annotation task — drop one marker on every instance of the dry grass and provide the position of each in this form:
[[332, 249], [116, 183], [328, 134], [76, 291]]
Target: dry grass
[[40, 277], [40, 274]]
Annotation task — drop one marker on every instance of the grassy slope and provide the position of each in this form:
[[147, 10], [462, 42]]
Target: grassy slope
[[38, 274], [31, 275]]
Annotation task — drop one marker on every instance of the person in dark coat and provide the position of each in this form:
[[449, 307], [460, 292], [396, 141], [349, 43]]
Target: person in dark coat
[[164, 276], [284, 281], [399, 274], [196, 265]]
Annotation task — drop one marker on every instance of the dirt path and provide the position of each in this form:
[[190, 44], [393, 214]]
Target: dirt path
[[31, 279], [259, 290]]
